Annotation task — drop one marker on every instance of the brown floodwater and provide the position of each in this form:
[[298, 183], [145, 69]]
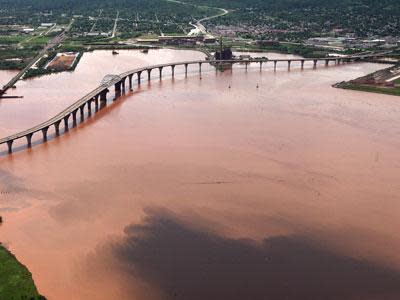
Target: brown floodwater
[[207, 188]]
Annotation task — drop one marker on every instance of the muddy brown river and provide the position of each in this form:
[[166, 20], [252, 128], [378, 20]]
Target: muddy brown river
[[206, 188]]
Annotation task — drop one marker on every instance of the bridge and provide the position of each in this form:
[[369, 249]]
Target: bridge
[[118, 82]]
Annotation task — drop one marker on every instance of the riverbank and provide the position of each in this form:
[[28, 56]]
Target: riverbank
[[15, 279], [89, 45], [42, 69], [394, 91], [384, 81]]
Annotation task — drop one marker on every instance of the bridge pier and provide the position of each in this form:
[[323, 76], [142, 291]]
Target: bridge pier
[[139, 77], [186, 69], [149, 74], [89, 105], [246, 65], [173, 71], [66, 122], [9, 144], [130, 82], [123, 85], [289, 63], [117, 89], [302, 64], [160, 69], [74, 116], [200, 64], [275, 63], [57, 127], [96, 102], [103, 95], [315, 63], [44, 132], [326, 62], [29, 139], [82, 111], [261, 63]]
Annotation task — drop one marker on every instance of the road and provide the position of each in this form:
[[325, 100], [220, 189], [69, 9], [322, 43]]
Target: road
[[52, 43], [115, 25], [200, 27], [95, 21]]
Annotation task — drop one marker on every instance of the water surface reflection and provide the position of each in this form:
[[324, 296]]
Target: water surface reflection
[[184, 262]]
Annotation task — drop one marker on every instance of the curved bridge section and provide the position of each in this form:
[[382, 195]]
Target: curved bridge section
[[99, 95]]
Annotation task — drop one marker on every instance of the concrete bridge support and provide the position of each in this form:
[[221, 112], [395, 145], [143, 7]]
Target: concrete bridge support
[[44, 132], [96, 102], [326, 62], [261, 63], [57, 127], [315, 63], [29, 139], [275, 63], [9, 145], [89, 105], [103, 95], [160, 69], [123, 85], [149, 74], [302, 64], [74, 116], [117, 89], [139, 77], [66, 122], [130, 82], [173, 71], [289, 63], [82, 111], [200, 64], [186, 69]]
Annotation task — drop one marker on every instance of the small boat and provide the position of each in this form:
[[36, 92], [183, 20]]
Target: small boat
[[114, 52], [145, 51]]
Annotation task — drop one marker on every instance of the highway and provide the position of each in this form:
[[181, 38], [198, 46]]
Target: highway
[[52, 43]]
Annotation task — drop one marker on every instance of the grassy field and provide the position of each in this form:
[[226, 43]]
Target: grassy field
[[371, 89], [11, 39], [15, 280]]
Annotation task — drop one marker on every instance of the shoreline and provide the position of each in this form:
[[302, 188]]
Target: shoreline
[[379, 82], [16, 280], [367, 88], [93, 47]]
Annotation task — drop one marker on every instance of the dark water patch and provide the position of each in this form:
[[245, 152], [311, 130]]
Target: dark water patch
[[10, 183], [188, 263]]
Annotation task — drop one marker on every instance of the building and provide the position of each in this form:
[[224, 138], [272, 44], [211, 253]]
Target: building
[[28, 30], [47, 24]]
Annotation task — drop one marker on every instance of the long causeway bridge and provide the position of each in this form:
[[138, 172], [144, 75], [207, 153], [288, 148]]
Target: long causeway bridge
[[69, 116]]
